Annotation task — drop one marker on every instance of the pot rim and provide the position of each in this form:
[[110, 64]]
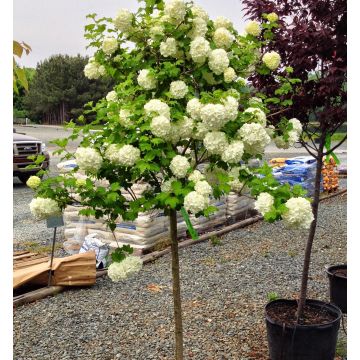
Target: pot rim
[[335, 267], [319, 303]]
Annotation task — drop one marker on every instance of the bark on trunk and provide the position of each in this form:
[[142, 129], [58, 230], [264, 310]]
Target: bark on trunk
[[315, 206], [176, 287]]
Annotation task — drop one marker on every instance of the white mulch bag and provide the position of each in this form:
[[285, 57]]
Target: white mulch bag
[[92, 242], [75, 238], [67, 166]]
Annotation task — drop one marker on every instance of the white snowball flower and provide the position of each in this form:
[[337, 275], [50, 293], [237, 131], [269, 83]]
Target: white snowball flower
[[223, 38], [196, 176], [218, 61], [122, 270], [146, 80], [201, 131], [234, 152], [202, 187], [222, 22], [272, 17], [156, 30], [242, 81], [296, 125], [33, 182], [299, 214], [112, 96], [157, 107], [264, 203], [195, 202], [126, 155], [229, 75], [88, 159], [168, 48], [235, 184], [215, 142], [175, 11], [199, 50], [281, 143], [91, 70], [179, 166], [123, 20], [213, 116], [253, 28], [109, 45], [183, 128], [178, 89], [199, 12], [160, 126], [102, 70], [193, 108], [231, 108], [42, 208], [272, 60], [254, 101], [199, 28], [124, 118], [257, 115], [255, 138], [166, 185]]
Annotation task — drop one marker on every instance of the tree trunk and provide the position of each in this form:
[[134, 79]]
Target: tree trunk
[[176, 287], [315, 208]]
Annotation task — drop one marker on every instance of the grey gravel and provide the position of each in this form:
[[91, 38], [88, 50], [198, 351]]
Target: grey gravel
[[224, 290]]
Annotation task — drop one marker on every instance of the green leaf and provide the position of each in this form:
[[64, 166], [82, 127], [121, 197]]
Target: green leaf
[[193, 233]]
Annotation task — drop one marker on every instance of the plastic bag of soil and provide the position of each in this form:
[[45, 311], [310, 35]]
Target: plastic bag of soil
[[92, 242]]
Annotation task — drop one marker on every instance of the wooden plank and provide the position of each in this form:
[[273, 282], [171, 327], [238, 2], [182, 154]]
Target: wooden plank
[[23, 264], [18, 257], [15, 253], [37, 294]]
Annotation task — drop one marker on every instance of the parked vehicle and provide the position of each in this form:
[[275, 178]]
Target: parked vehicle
[[23, 147]]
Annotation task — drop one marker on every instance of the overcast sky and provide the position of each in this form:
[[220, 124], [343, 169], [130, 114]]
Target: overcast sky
[[57, 27]]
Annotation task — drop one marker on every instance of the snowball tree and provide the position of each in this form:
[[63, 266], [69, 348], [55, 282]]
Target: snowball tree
[[182, 119]]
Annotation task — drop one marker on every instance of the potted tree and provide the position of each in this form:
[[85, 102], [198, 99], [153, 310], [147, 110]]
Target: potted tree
[[311, 37], [181, 118]]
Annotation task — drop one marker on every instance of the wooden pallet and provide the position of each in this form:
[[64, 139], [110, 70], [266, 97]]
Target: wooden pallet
[[22, 259]]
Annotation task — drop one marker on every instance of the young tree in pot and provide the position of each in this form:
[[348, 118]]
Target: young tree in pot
[[180, 102], [311, 37]]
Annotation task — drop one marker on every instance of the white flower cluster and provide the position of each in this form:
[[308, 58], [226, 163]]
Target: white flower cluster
[[160, 126], [272, 17], [122, 270], [178, 89], [299, 214], [199, 12], [156, 30], [272, 60], [166, 185], [124, 118], [42, 208], [218, 61], [168, 48], [112, 96], [254, 101], [296, 125], [146, 80], [253, 28], [264, 203], [293, 134], [126, 155], [195, 202], [231, 108], [93, 70], [33, 182], [179, 166], [234, 152], [199, 50], [201, 131], [202, 187], [223, 38], [229, 75], [175, 11], [123, 20], [193, 108], [257, 115], [255, 138], [235, 184], [183, 128], [215, 142], [109, 45], [214, 116], [157, 107], [88, 159], [199, 28], [196, 176], [222, 22]]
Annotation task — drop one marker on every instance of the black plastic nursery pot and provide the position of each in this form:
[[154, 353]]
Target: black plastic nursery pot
[[302, 342], [337, 275]]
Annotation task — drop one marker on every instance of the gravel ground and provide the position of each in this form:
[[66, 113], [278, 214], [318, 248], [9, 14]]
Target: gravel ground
[[224, 290]]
